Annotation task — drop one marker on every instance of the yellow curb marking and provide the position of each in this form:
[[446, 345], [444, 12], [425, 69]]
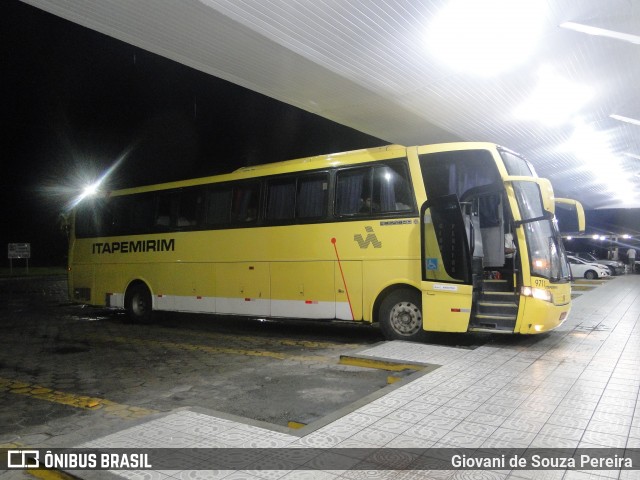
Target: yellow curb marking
[[12, 445], [218, 350], [45, 474], [296, 425], [78, 401], [265, 340], [379, 364]]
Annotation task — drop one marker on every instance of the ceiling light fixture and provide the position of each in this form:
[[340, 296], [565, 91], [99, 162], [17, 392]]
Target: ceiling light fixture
[[485, 38], [625, 119], [601, 32], [593, 149], [554, 100]]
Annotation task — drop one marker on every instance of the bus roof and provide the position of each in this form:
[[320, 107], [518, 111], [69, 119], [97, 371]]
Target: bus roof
[[301, 164], [319, 161]]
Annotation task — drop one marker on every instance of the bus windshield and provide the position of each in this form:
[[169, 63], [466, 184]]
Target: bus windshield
[[547, 257]]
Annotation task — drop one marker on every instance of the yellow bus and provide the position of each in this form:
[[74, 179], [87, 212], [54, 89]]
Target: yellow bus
[[411, 238]]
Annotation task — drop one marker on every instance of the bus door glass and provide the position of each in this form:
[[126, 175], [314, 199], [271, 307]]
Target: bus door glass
[[446, 265]]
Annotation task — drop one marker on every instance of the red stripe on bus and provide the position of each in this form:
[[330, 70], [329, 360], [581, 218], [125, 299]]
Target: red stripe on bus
[[335, 247]]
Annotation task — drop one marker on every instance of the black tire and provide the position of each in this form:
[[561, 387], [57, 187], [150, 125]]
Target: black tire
[[590, 275], [400, 316], [612, 270], [137, 303]]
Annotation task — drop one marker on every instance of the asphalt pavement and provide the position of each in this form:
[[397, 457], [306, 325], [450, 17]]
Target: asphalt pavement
[[69, 373]]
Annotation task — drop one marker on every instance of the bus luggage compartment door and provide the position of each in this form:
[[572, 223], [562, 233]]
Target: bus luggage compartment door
[[447, 289]]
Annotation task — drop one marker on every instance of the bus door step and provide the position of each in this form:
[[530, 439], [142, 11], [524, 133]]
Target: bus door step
[[494, 322]]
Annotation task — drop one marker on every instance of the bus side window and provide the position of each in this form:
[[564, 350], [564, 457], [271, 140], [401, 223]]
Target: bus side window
[[92, 218], [163, 212], [218, 206], [135, 214], [311, 198], [118, 216], [190, 207], [244, 203], [353, 191], [281, 201], [391, 189]]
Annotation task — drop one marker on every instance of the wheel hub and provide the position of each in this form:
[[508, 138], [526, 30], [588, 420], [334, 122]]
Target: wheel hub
[[406, 318]]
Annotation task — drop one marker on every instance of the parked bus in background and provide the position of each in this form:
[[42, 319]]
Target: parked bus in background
[[411, 238]]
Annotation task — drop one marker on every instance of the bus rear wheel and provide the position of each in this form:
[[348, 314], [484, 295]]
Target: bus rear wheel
[[401, 315], [138, 303]]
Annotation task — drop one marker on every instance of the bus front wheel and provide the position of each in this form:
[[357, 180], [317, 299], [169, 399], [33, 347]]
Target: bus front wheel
[[401, 315], [138, 303]]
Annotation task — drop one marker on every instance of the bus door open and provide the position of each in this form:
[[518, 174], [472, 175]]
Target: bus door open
[[447, 281]]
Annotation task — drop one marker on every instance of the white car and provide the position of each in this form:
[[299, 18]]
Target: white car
[[615, 267], [580, 268]]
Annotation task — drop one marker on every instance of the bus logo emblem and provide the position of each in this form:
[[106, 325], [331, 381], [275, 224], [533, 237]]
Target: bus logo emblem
[[371, 239]]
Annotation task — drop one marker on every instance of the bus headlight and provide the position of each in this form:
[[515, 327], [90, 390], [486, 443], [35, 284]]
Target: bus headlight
[[539, 293]]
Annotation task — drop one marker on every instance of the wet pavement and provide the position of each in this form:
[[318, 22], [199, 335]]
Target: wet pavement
[[70, 372]]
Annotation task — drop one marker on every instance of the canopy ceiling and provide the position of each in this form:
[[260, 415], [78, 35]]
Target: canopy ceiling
[[373, 66]]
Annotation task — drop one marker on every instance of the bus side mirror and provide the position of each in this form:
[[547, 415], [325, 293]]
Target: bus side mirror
[[548, 199], [574, 209], [545, 190]]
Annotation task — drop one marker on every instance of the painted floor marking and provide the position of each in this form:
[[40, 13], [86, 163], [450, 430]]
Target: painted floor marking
[[78, 401], [289, 342], [389, 365], [218, 350]]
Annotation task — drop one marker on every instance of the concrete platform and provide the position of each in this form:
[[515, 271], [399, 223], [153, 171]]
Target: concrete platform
[[576, 387]]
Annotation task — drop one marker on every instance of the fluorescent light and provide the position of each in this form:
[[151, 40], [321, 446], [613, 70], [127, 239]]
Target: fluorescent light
[[554, 100], [593, 148], [485, 38], [625, 119], [601, 32], [632, 155]]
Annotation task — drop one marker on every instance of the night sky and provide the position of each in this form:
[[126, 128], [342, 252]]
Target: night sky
[[74, 101]]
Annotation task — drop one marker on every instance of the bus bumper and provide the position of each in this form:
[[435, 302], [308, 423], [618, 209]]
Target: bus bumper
[[541, 316]]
